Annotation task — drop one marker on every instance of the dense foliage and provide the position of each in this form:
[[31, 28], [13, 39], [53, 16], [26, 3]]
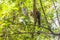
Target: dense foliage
[[17, 24]]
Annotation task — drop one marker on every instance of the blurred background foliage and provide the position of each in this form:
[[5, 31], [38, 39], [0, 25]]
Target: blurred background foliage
[[17, 24]]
